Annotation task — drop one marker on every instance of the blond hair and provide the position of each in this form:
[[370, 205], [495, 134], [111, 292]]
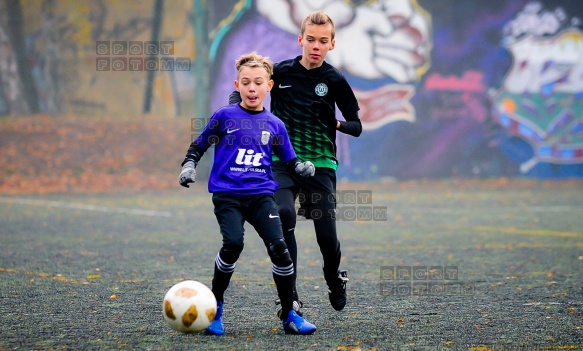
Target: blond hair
[[253, 59], [318, 18]]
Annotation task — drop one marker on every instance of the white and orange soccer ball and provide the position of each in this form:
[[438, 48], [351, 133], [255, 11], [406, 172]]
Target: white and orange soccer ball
[[189, 306]]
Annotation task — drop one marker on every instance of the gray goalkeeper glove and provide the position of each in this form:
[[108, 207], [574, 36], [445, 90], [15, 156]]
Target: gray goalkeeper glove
[[305, 169], [188, 174]]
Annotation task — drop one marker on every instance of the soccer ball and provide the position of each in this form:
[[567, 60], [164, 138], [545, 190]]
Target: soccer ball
[[189, 306]]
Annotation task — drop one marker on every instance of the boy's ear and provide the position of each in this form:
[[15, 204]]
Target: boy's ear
[[300, 40], [332, 44], [270, 84], [237, 85]]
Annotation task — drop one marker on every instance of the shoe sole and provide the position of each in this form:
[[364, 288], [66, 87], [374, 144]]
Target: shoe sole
[[293, 330], [338, 307], [214, 333]]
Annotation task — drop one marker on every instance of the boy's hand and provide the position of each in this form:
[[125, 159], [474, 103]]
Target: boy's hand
[[305, 169], [188, 174]]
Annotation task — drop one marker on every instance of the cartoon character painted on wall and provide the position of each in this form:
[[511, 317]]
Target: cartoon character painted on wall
[[541, 97], [383, 49]]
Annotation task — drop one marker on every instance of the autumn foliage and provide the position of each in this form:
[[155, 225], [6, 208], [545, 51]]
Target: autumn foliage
[[40, 153], [57, 154]]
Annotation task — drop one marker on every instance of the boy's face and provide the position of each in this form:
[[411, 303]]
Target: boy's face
[[253, 83], [316, 42]]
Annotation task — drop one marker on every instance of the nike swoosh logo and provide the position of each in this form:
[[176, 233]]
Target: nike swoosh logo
[[284, 86], [272, 216], [229, 131]]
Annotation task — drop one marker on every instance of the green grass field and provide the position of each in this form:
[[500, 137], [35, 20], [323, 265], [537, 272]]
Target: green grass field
[[494, 266]]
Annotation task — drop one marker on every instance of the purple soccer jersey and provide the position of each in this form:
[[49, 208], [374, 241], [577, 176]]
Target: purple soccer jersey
[[244, 142]]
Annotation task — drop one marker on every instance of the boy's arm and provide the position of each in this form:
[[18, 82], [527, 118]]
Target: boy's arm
[[188, 173], [348, 106], [198, 147], [234, 98], [195, 152], [351, 126]]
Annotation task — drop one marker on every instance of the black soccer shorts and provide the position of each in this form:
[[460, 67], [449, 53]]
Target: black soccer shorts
[[316, 195]]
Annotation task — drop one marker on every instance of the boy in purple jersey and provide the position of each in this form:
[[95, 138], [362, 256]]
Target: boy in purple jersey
[[244, 136]]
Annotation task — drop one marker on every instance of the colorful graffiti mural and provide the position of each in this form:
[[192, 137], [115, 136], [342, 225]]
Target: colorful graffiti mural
[[541, 98], [382, 47], [446, 88]]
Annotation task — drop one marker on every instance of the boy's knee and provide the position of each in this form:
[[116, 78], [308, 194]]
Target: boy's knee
[[286, 212], [231, 251], [279, 253]]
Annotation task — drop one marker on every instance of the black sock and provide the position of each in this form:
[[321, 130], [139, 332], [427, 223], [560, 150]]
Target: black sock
[[284, 291], [222, 277]]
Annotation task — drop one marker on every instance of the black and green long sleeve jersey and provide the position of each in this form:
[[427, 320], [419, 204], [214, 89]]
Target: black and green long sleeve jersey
[[305, 100]]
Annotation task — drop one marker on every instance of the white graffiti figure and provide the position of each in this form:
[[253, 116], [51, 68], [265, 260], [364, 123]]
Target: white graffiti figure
[[384, 39]]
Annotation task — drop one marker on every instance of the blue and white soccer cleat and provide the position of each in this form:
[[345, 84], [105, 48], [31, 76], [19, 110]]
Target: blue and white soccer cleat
[[216, 327], [294, 324], [297, 306]]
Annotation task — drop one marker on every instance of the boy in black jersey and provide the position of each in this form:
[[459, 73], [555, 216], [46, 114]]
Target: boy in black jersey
[[305, 94]]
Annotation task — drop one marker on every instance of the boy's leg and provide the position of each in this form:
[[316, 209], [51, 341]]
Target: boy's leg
[[266, 221], [327, 239], [230, 219], [285, 199], [268, 226], [321, 196], [331, 256]]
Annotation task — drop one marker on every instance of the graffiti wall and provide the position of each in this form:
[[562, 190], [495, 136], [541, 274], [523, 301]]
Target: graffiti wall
[[446, 88]]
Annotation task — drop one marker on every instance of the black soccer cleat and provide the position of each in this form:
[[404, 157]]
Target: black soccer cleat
[[337, 293]]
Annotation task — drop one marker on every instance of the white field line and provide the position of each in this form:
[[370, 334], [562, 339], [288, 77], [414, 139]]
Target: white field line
[[525, 209], [77, 206]]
